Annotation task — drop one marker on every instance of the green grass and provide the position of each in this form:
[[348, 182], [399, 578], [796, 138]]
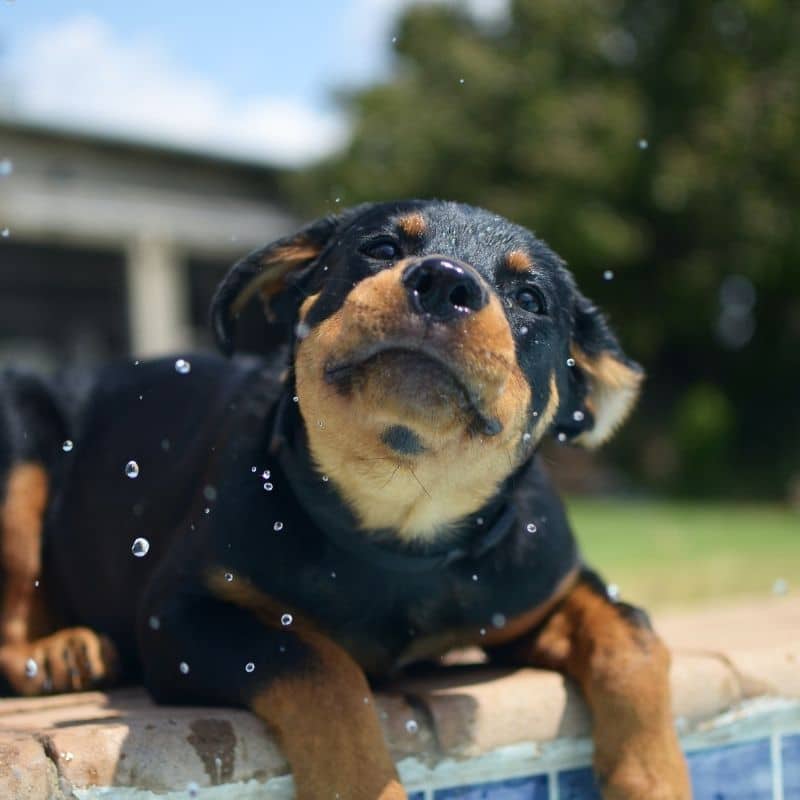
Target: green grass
[[678, 554]]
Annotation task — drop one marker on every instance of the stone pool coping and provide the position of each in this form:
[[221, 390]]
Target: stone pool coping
[[75, 746]]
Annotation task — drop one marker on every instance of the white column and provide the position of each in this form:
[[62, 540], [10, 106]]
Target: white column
[[158, 297]]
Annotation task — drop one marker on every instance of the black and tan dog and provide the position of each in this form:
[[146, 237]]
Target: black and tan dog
[[378, 503]]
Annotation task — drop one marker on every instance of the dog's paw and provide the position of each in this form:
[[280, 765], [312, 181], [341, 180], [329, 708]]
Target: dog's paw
[[71, 660]]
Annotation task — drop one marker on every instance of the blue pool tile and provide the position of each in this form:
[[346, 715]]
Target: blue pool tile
[[417, 796], [736, 772], [791, 767], [577, 784], [533, 788]]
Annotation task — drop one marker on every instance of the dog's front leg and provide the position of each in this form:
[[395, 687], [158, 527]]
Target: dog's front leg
[[622, 666], [308, 690]]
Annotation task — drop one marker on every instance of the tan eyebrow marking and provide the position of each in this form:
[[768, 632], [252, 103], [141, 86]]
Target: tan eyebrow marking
[[413, 225], [519, 261]]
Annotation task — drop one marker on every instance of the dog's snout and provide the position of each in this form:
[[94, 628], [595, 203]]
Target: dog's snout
[[443, 289]]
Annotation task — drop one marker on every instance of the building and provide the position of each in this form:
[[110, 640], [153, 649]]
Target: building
[[110, 247]]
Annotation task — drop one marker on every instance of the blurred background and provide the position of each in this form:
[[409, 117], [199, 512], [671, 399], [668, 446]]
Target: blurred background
[[653, 144]]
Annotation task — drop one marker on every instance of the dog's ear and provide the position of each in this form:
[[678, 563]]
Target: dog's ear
[[278, 273], [602, 383]]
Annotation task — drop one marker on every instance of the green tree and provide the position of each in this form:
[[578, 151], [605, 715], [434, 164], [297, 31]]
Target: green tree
[[655, 141]]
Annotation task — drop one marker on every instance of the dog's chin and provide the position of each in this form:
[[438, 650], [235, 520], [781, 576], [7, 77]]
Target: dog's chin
[[412, 389]]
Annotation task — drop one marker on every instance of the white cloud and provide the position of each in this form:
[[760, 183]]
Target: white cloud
[[79, 74]]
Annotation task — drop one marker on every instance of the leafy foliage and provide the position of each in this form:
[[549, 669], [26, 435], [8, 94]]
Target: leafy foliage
[[655, 140]]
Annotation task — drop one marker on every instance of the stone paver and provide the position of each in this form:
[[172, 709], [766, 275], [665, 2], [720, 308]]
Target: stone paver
[[49, 745]]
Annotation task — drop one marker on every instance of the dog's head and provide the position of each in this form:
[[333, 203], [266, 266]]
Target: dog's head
[[435, 345]]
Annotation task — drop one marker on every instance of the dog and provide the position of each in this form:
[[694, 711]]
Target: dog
[[232, 535]]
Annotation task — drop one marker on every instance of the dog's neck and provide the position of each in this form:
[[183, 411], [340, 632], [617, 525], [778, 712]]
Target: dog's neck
[[321, 499]]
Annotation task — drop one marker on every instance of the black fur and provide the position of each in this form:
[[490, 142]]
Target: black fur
[[202, 441]]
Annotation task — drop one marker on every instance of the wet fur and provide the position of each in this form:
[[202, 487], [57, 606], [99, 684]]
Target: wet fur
[[404, 489]]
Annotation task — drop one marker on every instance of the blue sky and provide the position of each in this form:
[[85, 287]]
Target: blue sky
[[249, 78]]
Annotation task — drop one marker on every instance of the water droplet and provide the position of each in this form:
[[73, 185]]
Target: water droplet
[[321, 424], [337, 199], [535, 413], [165, 444], [461, 81], [612, 590], [333, 575], [132, 469], [570, 362], [474, 576], [140, 547], [228, 576], [411, 726], [780, 587], [608, 275], [278, 526], [182, 366], [479, 521], [266, 474], [154, 623], [206, 510], [31, 668], [578, 416], [210, 493], [301, 330], [287, 619], [526, 437], [5, 233], [394, 40], [499, 620], [643, 144], [523, 330], [6, 167], [36, 583], [295, 399], [67, 446], [482, 631], [184, 668], [249, 666], [562, 437], [268, 487], [192, 789], [325, 478], [531, 527], [68, 756]]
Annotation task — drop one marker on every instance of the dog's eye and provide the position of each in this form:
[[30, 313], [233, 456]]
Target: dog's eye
[[382, 250], [530, 300]]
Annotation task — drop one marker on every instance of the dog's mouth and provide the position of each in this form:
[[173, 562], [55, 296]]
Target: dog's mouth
[[418, 375]]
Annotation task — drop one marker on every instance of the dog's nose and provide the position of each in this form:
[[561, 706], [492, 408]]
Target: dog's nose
[[443, 289]]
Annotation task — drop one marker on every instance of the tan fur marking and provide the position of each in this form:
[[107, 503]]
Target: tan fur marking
[[613, 393], [241, 592], [329, 734], [326, 724], [70, 660], [623, 671], [306, 305], [21, 516], [519, 261], [413, 225], [458, 471], [548, 415], [422, 648], [276, 263]]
